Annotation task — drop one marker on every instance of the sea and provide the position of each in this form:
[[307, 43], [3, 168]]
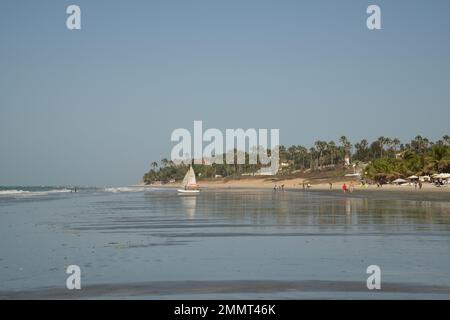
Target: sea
[[153, 243]]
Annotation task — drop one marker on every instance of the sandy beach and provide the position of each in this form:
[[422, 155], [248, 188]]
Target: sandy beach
[[428, 192]]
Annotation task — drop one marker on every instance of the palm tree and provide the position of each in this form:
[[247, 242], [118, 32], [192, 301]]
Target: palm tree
[[346, 145], [282, 153], [303, 152], [438, 159], [312, 153], [343, 140], [420, 144], [446, 139], [362, 149], [396, 143], [164, 162], [321, 147], [292, 151], [381, 141], [332, 150], [388, 143]]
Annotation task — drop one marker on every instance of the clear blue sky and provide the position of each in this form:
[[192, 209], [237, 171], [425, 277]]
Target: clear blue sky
[[96, 106]]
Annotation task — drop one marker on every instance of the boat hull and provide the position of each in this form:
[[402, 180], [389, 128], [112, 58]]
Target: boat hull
[[188, 191]]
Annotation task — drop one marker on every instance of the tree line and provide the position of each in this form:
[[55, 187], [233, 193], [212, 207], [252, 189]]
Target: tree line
[[383, 160]]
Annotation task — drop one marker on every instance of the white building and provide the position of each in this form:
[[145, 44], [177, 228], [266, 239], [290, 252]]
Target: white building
[[265, 172]]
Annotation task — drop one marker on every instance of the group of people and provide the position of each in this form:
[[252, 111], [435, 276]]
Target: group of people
[[349, 188], [439, 183], [278, 187], [306, 186], [418, 185]]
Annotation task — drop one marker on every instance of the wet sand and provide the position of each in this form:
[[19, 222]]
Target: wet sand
[[389, 193], [247, 243], [427, 193], [169, 289]]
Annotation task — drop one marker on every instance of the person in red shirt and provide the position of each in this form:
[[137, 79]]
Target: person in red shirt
[[344, 188]]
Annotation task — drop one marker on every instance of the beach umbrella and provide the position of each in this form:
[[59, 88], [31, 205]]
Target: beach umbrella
[[441, 175], [413, 177], [353, 175], [399, 181]]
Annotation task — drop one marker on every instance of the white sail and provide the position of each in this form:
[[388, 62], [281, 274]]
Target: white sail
[[189, 178]]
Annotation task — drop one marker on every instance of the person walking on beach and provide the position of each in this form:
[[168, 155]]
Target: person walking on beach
[[344, 188], [420, 185], [351, 187], [331, 185]]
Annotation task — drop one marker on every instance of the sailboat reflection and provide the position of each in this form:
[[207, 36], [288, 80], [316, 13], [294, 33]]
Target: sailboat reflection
[[348, 206], [189, 204]]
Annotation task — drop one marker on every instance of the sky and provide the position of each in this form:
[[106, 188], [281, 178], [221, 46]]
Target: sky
[[96, 106]]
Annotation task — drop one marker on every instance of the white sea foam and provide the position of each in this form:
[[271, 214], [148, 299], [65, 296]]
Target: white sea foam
[[60, 191], [26, 193], [124, 189], [13, 192]]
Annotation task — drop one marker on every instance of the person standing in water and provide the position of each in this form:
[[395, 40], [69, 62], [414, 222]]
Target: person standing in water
[[344, 188]]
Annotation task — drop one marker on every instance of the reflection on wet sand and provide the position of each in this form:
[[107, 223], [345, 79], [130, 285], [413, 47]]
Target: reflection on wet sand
[[189, 204], [238, 243], [266, 213]]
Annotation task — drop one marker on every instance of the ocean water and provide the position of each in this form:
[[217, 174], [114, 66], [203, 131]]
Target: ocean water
[[154, 243]]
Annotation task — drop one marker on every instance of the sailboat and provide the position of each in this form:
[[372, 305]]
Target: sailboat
[[189, 184]]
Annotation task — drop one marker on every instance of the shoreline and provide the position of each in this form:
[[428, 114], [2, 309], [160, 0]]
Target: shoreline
[[389, 192]]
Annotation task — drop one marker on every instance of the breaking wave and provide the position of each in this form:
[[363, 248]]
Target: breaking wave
[[31, 193], [125, 189]]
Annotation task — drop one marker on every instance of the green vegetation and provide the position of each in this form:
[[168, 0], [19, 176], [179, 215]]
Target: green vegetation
[[382, 160], [420, 157]]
